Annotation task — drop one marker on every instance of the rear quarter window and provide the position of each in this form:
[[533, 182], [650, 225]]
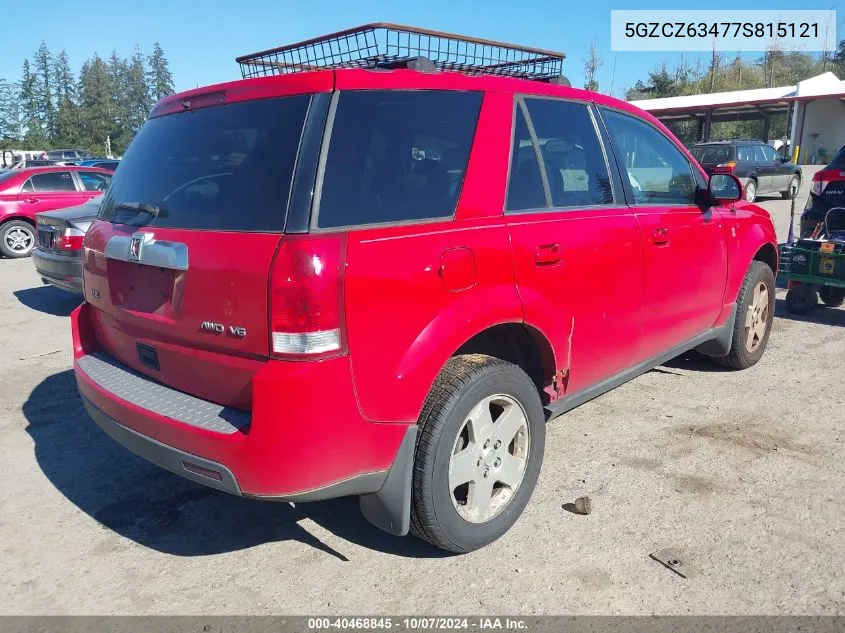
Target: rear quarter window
[[396, 156], [838, 161]]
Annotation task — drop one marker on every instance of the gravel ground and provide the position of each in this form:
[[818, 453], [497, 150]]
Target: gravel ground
[[742, 472]]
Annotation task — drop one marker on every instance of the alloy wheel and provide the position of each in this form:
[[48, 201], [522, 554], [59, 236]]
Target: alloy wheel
[[19, 239], [489, 458], [757, 318]]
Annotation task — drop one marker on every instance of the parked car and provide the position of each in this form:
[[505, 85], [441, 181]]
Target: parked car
[[58, 252], [66, 156], [402, 329], [26, 192], [24, 164], [758, 165], [102, 163], [826, 191]]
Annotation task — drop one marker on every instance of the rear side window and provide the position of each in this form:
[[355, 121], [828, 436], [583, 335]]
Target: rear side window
[[226, 167], [657, 170], [94, 181], [745, 153], [396, 156], [572, 155], [53, 181]]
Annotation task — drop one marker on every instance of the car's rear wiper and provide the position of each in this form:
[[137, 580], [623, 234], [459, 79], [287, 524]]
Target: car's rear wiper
[[142, 207]]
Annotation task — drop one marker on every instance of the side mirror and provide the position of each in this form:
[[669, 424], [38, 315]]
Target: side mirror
[[784, 159], [724, 188]]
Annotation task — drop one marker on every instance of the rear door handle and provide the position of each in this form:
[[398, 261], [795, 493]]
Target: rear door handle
[[31, 200], [661, 236], [547, 254]]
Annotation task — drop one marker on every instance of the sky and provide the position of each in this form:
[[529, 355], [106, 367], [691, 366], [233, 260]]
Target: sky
[[202, 38]]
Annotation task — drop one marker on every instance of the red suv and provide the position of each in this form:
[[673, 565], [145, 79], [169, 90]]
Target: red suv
[[383, 282], [25, 192]]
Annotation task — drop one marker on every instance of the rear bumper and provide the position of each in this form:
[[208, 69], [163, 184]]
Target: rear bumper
[[59, 270], [305, 439]]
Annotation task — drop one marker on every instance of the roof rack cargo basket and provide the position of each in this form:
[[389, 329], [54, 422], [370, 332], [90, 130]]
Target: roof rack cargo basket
[[383, 45]]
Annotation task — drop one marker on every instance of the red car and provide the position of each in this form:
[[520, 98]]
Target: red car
[[25, 192], [383, 283]]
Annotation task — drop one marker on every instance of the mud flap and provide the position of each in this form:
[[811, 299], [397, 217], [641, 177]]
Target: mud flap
[[721, 344], [389, 509]]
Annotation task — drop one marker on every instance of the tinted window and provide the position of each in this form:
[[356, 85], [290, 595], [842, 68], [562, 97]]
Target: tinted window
[[569, 146], [525, 185], [396, 156], [94, 181], [225, 167], [657, 170], [759, 154], [109, 165], [53, 181], [54, 155], [714, 154]]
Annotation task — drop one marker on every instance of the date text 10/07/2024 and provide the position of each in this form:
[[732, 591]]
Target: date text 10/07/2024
[[418, 624]]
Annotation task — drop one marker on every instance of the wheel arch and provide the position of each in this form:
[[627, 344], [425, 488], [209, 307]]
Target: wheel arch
[[517, 343], [767, 254]]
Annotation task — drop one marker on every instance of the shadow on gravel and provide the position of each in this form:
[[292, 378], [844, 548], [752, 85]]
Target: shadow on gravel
[[691, 361], [820, 314], [169, 514], [49, 299]]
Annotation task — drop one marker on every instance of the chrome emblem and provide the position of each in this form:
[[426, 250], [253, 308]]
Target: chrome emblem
[[136, 245], [219, 328]]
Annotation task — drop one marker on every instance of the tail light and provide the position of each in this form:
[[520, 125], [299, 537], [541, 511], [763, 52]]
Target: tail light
[[306, 297], [727, 167], [821, 178], [69, 241]]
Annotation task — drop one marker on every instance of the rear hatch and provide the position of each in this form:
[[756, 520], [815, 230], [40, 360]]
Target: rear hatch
[[715, 158], [177, 264]]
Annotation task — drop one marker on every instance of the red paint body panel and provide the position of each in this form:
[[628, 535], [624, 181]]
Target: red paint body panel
[[592, 300], [602, 288], [685, 271]]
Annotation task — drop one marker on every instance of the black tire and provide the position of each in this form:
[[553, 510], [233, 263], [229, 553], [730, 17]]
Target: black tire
[[801, 299], [15, 227], [740, 357], [832, 297], [464, 382], [791, 191], [750, 193]]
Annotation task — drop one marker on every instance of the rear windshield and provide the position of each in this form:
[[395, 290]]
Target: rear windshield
[[711, 155], [838, 161], [226, 167]]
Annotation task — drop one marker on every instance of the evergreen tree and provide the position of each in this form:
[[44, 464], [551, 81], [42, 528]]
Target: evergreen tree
[[10, 116], [120, 106], [44, 90], [158, 76], [67, 115], [34, 136], [96, 108], [139, 100]]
